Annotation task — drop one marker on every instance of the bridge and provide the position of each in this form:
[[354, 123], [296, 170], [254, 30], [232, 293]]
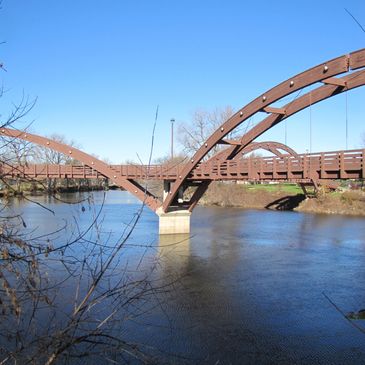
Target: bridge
[[329, 78], [303, 168]]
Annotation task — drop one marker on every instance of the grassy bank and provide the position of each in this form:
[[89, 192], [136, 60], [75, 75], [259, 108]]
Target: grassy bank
[[248, 196], [350, 202], [284, 197]]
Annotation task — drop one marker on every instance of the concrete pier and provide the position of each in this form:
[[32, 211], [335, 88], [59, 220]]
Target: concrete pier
[[174, 222]]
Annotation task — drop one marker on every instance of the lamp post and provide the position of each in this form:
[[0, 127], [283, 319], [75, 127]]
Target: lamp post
[[172, 120]]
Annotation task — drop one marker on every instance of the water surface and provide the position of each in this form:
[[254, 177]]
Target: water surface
[[245, 287]]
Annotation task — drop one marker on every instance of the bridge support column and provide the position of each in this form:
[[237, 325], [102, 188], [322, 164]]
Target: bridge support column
[[167, 189], [174, 222]]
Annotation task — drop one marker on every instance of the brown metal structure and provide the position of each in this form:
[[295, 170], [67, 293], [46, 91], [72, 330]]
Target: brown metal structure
[[273, 147], [352, 81], [300, 168], [227, 165], [324, 73], [126, 183]]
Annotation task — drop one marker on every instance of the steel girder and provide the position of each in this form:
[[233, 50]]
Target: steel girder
[[323, 72]]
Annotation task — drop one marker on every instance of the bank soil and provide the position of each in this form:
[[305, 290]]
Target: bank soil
[[282, 197], [348, 203]]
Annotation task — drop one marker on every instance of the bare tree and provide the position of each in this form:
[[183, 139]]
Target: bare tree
[[79, 311], [16, 152], [59, 303], [13, 151], [193, 135], [49, 156]]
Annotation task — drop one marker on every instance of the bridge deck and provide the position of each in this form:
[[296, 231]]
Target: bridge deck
[[325, 165]]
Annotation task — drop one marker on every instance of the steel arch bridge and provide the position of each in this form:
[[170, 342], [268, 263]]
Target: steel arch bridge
[[330, 78]]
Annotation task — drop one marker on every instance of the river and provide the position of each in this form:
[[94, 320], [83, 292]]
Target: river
[[245, 287]]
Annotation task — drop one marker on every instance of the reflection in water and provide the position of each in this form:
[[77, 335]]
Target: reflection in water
[[174, 253], [245, 287]]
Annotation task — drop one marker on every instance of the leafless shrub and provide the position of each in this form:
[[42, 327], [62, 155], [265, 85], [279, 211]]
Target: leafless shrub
[[66, 296], [193, 135], [69, 298]]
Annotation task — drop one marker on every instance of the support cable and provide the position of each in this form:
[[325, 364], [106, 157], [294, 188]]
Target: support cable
[[346, 107], [310, 122], [285, 138]]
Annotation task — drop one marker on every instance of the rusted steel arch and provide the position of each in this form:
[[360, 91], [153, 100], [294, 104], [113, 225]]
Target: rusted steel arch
[[351, 81], [270, 146], [322, 72], [315, 96], [130, 185]]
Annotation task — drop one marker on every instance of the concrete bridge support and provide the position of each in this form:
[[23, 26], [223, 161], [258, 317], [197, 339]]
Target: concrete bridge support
[[176, 220]]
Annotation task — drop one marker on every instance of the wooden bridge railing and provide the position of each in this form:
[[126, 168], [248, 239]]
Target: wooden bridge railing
[[323, 165]]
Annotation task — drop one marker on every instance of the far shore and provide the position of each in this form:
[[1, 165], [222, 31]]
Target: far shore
[[249, 196], [285, 197]]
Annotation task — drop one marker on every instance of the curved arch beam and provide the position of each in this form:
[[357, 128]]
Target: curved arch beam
[[98, 165], [270, 146], [352, 81], [323, 71]]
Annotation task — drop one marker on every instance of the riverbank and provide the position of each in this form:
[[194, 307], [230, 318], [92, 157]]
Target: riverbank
[[345, 203], [257, 196], [284, 197], [41, 189]]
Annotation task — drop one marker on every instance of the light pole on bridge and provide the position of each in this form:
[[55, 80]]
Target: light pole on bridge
[[172, 120]]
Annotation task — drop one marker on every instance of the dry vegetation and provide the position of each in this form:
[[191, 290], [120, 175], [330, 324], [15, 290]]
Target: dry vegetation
[[350, 202], [245, 196], [284, 197]]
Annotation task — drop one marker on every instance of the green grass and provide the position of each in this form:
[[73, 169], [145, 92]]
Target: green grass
[[287, 188]]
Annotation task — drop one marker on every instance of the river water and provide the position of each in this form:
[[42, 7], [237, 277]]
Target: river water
[[245, 287]]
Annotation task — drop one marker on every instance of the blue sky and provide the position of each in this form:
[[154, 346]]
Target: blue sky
[[100, 68]]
